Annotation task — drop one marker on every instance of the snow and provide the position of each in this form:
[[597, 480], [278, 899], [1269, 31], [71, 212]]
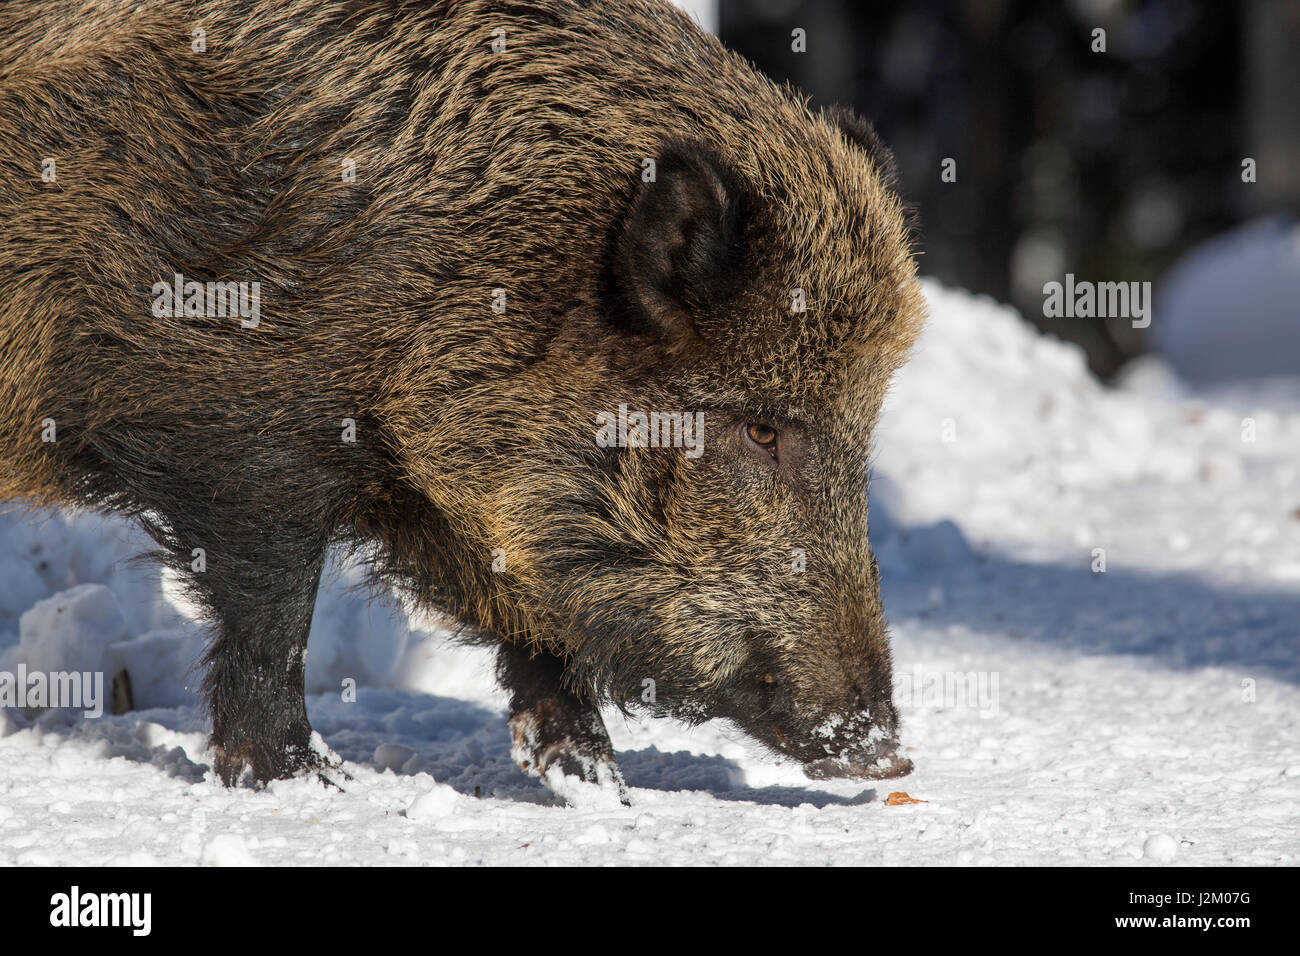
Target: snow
[[1250, 274], [1144, 714]]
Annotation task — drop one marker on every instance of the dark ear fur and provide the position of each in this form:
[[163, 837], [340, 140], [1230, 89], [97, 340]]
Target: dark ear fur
[[862, 134], [681, 246]]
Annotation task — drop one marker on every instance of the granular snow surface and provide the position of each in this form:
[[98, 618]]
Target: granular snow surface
[[1144, 714]]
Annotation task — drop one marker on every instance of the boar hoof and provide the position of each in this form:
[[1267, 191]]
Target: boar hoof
[[231, 764], [573, 757]]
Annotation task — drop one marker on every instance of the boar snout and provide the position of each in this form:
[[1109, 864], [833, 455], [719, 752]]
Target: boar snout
[[846, 738], [881, 761], [858, 747]]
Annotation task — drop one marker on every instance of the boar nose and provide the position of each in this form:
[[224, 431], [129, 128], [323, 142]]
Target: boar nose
[[878, 761], [882, 762]]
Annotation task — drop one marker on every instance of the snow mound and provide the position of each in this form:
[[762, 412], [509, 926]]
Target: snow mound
[[70, 631], [1005, 433]]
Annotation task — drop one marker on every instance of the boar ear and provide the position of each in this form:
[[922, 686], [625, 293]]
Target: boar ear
[[680, 248], [863, 135]]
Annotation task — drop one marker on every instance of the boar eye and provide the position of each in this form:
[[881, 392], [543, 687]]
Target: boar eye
[[763, 438]]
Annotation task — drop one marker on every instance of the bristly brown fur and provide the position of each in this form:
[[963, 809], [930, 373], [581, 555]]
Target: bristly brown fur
[[476, 170]]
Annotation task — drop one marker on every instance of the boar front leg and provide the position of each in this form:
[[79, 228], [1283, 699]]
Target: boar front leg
[[258, 578], [256, 674], [556, 734]]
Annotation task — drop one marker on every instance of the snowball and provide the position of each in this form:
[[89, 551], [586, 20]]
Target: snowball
[[1160, 847], [228, 849], [392, 756], [441, 801]]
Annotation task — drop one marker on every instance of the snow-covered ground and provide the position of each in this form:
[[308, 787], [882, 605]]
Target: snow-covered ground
[[1142, 714]]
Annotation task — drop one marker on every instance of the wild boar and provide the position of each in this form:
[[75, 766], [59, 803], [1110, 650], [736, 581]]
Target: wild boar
[[417, 278]]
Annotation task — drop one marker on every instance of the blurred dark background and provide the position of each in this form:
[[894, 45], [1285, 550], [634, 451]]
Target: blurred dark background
[[1108, 165]]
